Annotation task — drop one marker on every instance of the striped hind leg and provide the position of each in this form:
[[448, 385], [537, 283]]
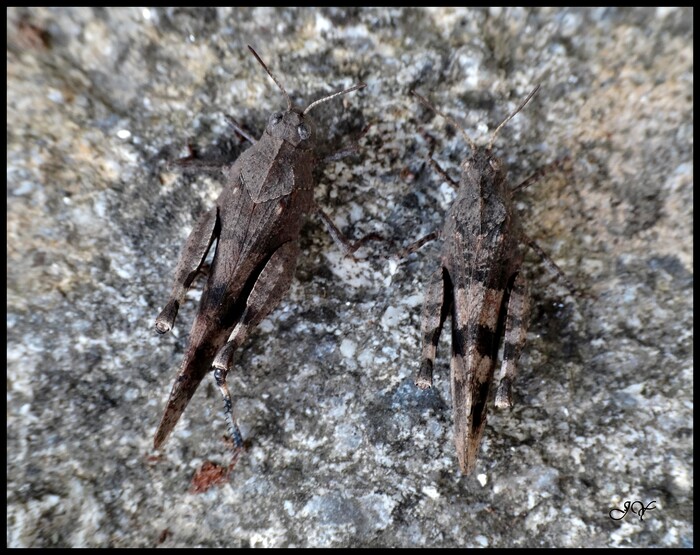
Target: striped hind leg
[[271, 285], [436, 307], [191, 258], [514, 339]]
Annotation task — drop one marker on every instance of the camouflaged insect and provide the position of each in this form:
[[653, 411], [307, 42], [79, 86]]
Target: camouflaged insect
[[256, 222], [478, 284]]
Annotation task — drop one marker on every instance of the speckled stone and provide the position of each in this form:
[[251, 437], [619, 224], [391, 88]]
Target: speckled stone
[[344, 450]]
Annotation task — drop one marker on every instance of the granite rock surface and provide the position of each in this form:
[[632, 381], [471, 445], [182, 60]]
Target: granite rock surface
[[343, 450]]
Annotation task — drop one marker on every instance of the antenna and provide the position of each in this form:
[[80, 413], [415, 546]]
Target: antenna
[[452, 122], [289, 100], [510, 117], [326, 98]]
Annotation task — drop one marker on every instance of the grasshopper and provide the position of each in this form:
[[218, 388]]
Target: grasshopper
[[480, 285], [256, 222]]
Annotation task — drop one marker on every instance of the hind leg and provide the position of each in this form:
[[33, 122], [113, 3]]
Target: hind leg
[[191, 258], [513, 340], [435, 309], [271, 285]]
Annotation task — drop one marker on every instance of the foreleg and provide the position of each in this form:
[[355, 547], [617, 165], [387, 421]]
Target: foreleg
[[345, 245]]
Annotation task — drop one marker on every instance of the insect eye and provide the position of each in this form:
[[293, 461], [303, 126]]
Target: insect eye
[[304, 131], [275, 118]]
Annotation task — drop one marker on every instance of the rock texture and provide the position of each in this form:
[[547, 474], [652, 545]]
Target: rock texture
[[344, 450]]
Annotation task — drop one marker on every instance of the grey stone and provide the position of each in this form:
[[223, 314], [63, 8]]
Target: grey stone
[[344, 450]]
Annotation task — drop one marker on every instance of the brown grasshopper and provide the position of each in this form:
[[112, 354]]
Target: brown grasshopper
[[480, 285], [256, 222]]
